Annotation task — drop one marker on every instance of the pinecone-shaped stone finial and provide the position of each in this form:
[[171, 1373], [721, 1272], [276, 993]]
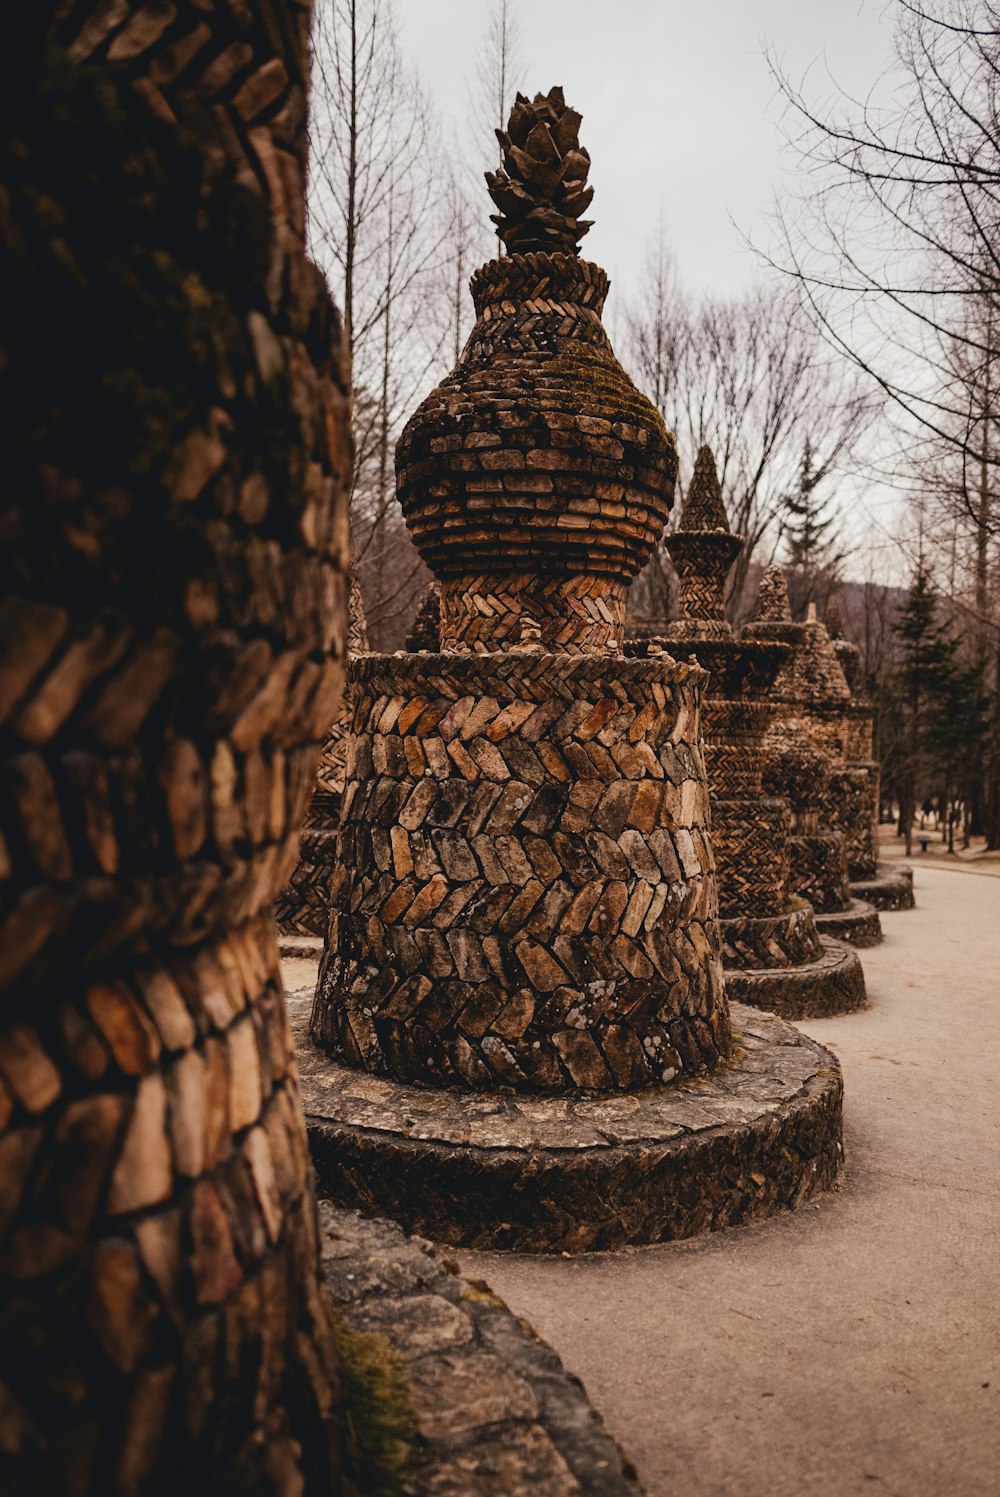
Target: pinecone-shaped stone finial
[[542, 190], [772, 599], [703, 507]]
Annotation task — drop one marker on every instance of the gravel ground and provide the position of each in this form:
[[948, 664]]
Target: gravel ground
[[853, 1347]]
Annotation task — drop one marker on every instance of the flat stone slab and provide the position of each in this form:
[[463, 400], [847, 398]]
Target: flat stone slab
[[580, 1173], [834, 984], [858, 924], [890, 889], [496, 1411], [291, 946]]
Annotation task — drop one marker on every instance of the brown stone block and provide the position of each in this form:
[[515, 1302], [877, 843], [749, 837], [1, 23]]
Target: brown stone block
[[217, 1127], [543, 972], [28, 1070], [214, 1266], [582, 1058], [145, 1422], [18, 1149], [245, 1094], [35, 804], [143, 1175], [187, 1098], [31, 632], [119, 1310], [124, 1025]]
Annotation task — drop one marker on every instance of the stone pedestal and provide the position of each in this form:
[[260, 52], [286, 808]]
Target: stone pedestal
[[590, 1172]]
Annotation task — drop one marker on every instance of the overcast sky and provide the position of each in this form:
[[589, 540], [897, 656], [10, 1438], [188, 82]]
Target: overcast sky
[[681, 118], [679, 108]]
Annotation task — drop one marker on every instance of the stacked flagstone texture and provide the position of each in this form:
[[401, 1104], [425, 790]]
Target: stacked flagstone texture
[[525, 897], [174, 517], [810, 742], [773, 954], [524, 893], [302, 909]]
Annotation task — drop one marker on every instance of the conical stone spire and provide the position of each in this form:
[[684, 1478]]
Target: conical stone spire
[[704, 508], [773, 606], [703, 550]]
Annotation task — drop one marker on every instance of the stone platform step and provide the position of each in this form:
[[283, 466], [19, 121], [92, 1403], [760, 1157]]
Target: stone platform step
[[834, 984], [496, 1412], [858, 924], [580, 1172], [890, 889]]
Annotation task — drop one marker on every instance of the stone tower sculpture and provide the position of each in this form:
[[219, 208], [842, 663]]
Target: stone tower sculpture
[[854, 789], [773, 955], [521, 874], [171, 651], [813, 697], [524, 917]]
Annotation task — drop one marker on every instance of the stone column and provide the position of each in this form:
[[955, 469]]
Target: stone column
[[854, 791], [524, 894], [171, 622]]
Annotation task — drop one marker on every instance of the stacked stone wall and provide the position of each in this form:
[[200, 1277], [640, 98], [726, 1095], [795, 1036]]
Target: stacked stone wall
[[526, 891]]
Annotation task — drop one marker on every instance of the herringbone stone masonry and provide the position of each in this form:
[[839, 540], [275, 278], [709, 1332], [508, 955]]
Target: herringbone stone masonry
[[302, 908], [525, 893], [773, 953], [840, 809]]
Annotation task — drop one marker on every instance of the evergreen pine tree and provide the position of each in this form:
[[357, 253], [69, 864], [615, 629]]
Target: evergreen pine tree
[[934, 709], [809, 526]]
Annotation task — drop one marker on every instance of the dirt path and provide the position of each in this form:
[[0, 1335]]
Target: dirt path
[[854, 1347]]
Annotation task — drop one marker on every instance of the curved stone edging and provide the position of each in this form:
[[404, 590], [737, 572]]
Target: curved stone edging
[[835, 984], [769, 942], [495, 1408], [580, 1174], [890, 889], [858, 924]]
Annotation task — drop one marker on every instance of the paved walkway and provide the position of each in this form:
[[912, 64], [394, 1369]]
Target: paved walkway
[[853, 1347]]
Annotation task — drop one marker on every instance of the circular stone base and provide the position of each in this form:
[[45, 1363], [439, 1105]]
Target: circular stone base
[[580, 1173], [858, 925], [833, 985], [890, 889]]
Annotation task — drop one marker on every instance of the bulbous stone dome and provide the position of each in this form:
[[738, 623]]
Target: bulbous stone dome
[[536, 479]]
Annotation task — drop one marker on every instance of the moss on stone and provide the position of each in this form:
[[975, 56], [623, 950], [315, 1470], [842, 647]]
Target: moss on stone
[[379, 1425]]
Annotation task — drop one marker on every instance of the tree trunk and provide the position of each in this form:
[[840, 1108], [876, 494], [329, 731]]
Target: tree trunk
[[170, 633]]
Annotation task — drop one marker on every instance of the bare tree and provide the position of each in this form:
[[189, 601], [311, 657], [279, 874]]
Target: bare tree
[[749, 377], [377, 228], [894, 242], [499, 73]]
